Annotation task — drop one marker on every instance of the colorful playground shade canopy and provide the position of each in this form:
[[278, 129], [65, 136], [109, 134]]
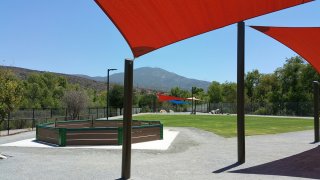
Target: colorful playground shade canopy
[[162, 97], [148, 25], [303, 40]]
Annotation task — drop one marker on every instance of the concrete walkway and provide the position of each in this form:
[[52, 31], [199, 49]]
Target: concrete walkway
[[194, 154], [14, 131]]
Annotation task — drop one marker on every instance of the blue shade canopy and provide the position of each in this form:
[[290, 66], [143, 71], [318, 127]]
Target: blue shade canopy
[[178, 102]]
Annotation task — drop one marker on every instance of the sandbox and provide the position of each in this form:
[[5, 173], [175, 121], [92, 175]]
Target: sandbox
[[96, 132]]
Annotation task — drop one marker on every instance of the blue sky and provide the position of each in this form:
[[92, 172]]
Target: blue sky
[[75, 37]]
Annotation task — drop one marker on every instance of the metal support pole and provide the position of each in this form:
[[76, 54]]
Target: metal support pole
[[316, 110], [97, 113], [33, 123], [195, 107], [92, 121], [240, 92], [127, 119], [221, 108], [8, 124], [192, 100], [108, 81], [108, 96]]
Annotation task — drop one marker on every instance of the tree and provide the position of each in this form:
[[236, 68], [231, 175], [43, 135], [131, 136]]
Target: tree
[[292, 88], [33, 91], [268, 85], [308, 75], [178, 92], [147, 101], [229, 92], [197, 90], [251, 82], [44, 90], [101, 99], [214, 92], [10, 93], [116, 96], [75, 101], [200, 94]]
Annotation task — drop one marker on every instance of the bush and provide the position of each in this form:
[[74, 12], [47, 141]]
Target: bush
[[146, 109], [261, 111]]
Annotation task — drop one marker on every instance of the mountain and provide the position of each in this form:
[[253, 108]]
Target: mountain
[[144, 78], [83, 82], [94, 78], [155, 78]]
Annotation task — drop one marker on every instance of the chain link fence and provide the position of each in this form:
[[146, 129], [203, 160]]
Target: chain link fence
[[26, 119], [277, 109]]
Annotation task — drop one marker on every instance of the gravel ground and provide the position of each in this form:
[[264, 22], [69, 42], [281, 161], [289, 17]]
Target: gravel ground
[[195, 154]]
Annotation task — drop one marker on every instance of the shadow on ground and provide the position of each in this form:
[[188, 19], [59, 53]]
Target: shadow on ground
[[45, 143], [227, 168], [305, 164]]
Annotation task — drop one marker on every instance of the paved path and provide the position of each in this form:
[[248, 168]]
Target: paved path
[[14, 131], [194, 154]]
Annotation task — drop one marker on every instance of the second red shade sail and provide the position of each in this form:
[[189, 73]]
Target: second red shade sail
[[303, 40]]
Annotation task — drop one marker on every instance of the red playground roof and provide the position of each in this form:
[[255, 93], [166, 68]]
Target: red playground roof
[[162, 97]]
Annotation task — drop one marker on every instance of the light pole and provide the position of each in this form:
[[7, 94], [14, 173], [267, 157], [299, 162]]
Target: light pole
[[108, 92], [192, 111]]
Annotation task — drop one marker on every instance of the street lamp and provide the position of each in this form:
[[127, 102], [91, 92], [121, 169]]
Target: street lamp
[[192, 110], [108, 92]]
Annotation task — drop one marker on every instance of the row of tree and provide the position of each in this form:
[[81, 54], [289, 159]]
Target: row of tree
[[288, 89], [291, 83], [45, 90]]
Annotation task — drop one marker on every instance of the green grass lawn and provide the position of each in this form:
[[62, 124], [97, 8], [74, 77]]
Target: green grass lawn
[[225, 126]]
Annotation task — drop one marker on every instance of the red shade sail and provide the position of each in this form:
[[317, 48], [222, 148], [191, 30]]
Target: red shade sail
[[148, 25], [162, 98], [303, 40]]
